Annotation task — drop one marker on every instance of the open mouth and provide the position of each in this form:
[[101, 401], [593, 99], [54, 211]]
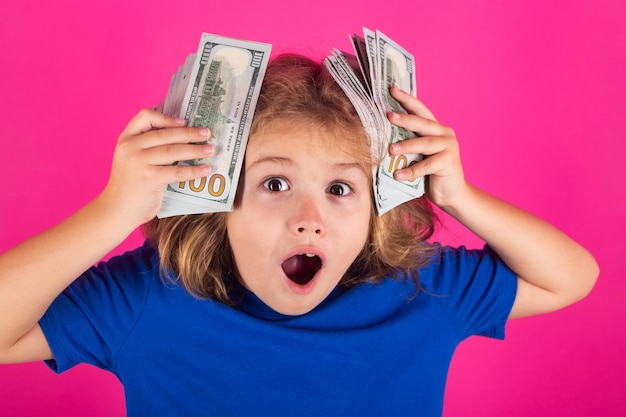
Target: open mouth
[[302, 268]]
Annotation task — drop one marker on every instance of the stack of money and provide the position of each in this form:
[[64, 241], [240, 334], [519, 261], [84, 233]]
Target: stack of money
[[366, 78], [218, 87]]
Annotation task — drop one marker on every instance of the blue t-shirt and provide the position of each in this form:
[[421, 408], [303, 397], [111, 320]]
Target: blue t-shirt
[[372, 350]]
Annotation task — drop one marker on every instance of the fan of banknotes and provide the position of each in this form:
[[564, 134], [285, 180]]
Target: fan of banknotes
[[366, 78], [218, 87]]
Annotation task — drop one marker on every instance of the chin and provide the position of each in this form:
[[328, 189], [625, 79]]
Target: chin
[[297, 309]]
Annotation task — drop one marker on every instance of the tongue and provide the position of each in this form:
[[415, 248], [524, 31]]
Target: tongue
[[301, 269]]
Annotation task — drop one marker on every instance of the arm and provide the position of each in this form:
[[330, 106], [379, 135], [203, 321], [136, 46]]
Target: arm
[[553, 271], [35, 272]]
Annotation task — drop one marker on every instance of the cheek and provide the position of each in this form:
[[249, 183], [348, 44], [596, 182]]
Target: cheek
[[241, 248], [356, 233], [235, 232], [248, 231], [363, 238], [364, 226]]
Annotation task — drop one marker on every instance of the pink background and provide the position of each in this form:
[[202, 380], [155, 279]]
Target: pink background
[[533, 88]]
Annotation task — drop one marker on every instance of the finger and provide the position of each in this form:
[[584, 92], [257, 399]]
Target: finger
[[425, 145], [180, 173], [161, 176], [147, 120], [420, 125], [168, 136], [427, 166], [170, 153], [411, 104]]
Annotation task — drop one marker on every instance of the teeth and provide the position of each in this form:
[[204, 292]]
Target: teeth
[[309, 255]]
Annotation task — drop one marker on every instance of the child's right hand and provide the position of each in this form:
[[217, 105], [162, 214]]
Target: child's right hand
[[142, 164], [33, 273]]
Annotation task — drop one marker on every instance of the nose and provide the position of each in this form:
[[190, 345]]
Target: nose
[[307, 217]]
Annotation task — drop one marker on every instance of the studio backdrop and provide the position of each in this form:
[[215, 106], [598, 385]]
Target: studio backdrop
[[534, 90]]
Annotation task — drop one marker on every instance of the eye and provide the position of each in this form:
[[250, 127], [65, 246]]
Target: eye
[[276, 184], [339, 189]]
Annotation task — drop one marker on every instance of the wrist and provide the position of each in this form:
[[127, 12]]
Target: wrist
[[454, 204], [107, 210]]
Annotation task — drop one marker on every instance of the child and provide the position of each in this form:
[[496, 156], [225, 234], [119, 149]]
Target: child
[[302, 301]]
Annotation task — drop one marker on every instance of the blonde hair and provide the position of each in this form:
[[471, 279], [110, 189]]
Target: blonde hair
[[194, 249]]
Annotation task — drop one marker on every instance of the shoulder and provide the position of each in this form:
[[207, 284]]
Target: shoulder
[[474, 286], [459, 263], [92, 318], [132, 272], [144, 258], [140, 261]]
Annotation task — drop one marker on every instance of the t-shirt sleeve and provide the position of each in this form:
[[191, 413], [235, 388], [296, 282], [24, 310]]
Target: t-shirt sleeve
[[90, 320], [476, 289]]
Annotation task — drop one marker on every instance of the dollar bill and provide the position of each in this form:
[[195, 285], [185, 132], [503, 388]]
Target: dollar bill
[[381, 64], [340, 65], [218, 87]]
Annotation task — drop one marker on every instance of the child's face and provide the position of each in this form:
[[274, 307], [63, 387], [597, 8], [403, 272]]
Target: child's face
[[301, 219]]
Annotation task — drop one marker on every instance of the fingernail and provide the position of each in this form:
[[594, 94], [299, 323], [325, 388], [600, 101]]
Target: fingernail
[[180, 121], [395, 116], [205, 170], [394, 148], [400, 175], [204, 132], [208, 149]]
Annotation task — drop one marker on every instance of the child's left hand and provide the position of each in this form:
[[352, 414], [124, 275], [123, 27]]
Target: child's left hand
[[553, 271], [445, 181]]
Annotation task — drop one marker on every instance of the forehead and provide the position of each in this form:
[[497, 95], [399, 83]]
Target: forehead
[[336, 140]]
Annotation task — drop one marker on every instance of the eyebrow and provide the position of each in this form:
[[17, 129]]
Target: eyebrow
[[271, 159], [343, 166]]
